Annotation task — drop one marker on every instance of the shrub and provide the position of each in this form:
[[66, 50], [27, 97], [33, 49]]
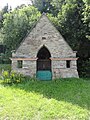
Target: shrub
[[12, 77], [6, 76]]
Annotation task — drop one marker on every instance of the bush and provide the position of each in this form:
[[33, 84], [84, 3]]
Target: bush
[[5, 76], [12, 77], [16, 77]]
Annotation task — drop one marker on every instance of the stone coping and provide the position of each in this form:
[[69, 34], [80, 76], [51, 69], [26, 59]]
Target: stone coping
[[57, 59], [53, 59], [31, 59]]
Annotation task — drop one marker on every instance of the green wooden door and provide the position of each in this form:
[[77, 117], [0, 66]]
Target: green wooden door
[[44, 75]]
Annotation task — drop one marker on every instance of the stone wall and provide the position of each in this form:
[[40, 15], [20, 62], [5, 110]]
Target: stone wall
[[61, 71], [28, 68]]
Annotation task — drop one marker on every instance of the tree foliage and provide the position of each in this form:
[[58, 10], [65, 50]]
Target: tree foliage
[[43, 5], [2, 12], [17, 24], [86, 19], [70, 21]]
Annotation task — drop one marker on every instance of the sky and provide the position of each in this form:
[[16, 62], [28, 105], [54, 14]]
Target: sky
[[13, 3]]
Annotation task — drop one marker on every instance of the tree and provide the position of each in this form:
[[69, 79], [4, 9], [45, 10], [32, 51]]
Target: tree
[[2, 12], [70, 22], [43, 5], [86, 17], [17, 24]]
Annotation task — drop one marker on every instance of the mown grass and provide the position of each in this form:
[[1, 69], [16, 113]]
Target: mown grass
[[64, 99]]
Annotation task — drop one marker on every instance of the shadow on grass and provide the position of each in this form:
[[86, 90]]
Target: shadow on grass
[[75, 91]]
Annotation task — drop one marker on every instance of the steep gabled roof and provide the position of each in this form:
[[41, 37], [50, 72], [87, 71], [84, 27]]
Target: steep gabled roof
[[34, 25], [54, 41]]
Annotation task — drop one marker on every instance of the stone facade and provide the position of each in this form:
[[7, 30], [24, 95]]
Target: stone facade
[[45, 34]]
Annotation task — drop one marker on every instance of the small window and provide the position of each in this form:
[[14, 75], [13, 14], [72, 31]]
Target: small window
[[43, 38], [68, 63], [19, 63]]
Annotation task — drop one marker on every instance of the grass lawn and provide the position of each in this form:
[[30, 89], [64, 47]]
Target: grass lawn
[[65, 99]]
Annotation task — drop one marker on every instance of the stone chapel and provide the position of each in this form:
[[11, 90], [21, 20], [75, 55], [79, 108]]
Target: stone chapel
[[45, 54]]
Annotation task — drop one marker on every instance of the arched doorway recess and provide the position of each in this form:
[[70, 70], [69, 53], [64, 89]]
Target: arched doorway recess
[[44, 64]]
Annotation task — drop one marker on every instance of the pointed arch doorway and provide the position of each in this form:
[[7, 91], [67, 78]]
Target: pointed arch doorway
[[44, 64]]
